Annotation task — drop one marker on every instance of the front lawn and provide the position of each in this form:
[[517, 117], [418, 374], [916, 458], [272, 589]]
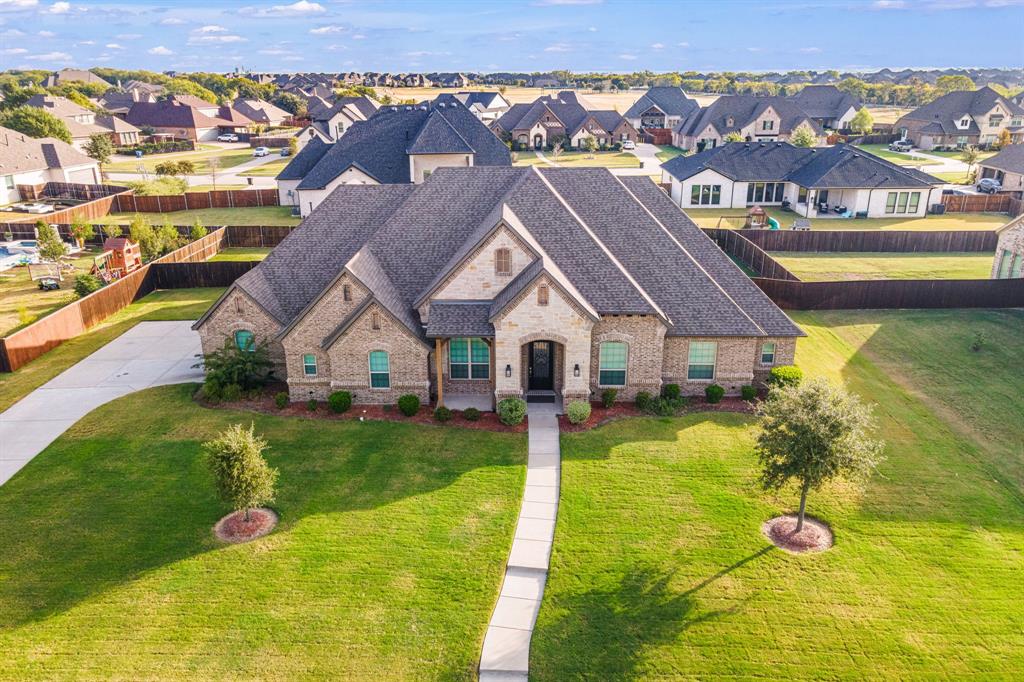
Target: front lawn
[[667, 152], [899, 158], [660, 570], [214, 217], [270, 169], [23, 302], [386, 563], [172, 304], [734, 218], [227, 158], [833, 267], [580, 159]]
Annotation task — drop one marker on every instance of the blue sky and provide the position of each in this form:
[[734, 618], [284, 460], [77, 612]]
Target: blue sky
[[532, 35]]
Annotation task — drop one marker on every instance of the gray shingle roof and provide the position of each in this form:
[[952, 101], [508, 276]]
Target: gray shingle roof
[[743, 110], [824, 101], [304, 161], [597, 230], [1009, 159], [951, 106], [459, 318], [671, 100], [380, 146], [565, 106], [819, 167], [20, 153], [438, 136]]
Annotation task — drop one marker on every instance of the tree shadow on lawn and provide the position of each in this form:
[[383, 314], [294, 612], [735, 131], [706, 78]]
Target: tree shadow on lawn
[[105, 504], [603, 633]]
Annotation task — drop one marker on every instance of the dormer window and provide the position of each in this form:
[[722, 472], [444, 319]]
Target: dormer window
[[995, 120], [503, 262], [964, 122], [768, 125]]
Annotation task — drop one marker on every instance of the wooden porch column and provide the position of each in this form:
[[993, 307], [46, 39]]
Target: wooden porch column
[[437, 367]]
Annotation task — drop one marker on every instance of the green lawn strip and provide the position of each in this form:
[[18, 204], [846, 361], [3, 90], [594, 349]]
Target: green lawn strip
[[527, 159], [955, 178], [659, 569], [227, 158], [596, 160], [733, 218], [386, 564], [172, 304], [959, 155], [19, 295], [667, 152], [831, 267], [269, 169], [256, 215], [882, 151], [241, 253]]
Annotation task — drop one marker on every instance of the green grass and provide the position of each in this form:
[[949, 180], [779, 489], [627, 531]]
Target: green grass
[[659, 568], [959, 156], [241, 253], [228, 158], [710, 217], [667, 152], [954, 178], [581, 160], [173, 304], [386, 563], [269, 169], [256, 215], [21, 300], [832, 267]]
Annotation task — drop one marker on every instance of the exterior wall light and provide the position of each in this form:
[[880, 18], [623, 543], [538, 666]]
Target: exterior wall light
[[576, 370], [508, 371]]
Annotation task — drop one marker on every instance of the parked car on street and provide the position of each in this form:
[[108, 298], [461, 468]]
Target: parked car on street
[[261, 151], [227, 137], [285, 151], [901, 146], [989, 185], [629, 144]]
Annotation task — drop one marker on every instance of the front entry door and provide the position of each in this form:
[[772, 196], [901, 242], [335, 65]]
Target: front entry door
[[541, 361]]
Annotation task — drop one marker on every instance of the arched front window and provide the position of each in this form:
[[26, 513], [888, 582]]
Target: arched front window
[[245, 340], [380, 369], [612, 364]]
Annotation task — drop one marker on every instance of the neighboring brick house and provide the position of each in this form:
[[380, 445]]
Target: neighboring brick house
[[486, 105], [65, 76], [28, 163], [661, 107], [962, 118], [188, 118], [1007, 167], [484, 283], [330, 119], [398, 144], [1009, 260], [260, 111], [755, 119], [83, 123], [815, 182], [829, 106], [564, 117]]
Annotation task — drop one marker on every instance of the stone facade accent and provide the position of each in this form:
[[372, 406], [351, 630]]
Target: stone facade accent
[[476, 279], [238, 312], [1011, 239], [644, 336]]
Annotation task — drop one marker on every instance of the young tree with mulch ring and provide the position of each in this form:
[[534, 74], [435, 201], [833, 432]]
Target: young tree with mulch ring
[[244, 481], [812, 433]]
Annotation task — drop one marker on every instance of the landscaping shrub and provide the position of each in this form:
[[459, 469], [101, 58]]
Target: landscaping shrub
[[158, 147], [212, 390], [512, 411], [608, 396], [665, 407], [785, 375], [578, 411], [281, 400], [748, 393], [714, 393], [471, 414], [243, 479], [85, 284], [408, 404], [671, 391], [442, 414], [311, 405], [231, 392], [339, 401], [643, 400], [232, 365], [977, 343]]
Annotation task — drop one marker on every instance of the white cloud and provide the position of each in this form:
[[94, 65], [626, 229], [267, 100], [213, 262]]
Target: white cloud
[[172, 21], [46, 34], [302, 8], [59, 8], [14, 50], [160, 50], [50, 57], [209, 40], [336, 48], [17, 5], [684, 44], [275, 51], [359, 36], [556, 3], [84, 42], [558, 47], [327, 30], [12, 33], [810, 50], [889, 4], [114, 46], [210, 28], [592, 29], [657, 46], [128, 36], [425, 53], [627, 56], [753, 49]]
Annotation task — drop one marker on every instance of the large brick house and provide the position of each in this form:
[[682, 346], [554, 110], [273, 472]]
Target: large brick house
[[487, 282], [754, 119], [961, 118], [1009, 260], [565, 117]]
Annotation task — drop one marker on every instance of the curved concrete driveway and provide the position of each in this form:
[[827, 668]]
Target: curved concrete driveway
[[149, 354]]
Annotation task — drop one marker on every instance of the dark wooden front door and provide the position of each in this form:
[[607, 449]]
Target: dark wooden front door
[[541, 370]]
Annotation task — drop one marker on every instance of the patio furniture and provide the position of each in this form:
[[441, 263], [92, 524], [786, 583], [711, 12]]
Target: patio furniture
[[801, 225]]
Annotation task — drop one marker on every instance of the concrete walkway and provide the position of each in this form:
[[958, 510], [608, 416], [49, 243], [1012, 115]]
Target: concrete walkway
[[149, 354], [506, 650], [648, 155]]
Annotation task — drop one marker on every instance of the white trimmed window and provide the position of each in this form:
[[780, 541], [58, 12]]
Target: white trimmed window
[[701, 360], [902, 202], [703, 195], [309, 365], [380, 369], [469, 359], [612, 364], [768, 354]]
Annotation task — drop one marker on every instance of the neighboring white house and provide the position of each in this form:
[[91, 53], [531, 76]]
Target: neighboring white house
[[32, 162], [814, 182]]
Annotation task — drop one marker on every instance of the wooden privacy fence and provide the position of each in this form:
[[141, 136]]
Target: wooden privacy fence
[[89, 210], [29, 343], [738, 246], [890, 294], [983, 203], [257, 235], [896, 241], [222, 198], [188, 275]]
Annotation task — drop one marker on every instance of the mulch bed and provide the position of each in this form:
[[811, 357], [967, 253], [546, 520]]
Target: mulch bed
[[234, 528], [814, 537], [601, 415]]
